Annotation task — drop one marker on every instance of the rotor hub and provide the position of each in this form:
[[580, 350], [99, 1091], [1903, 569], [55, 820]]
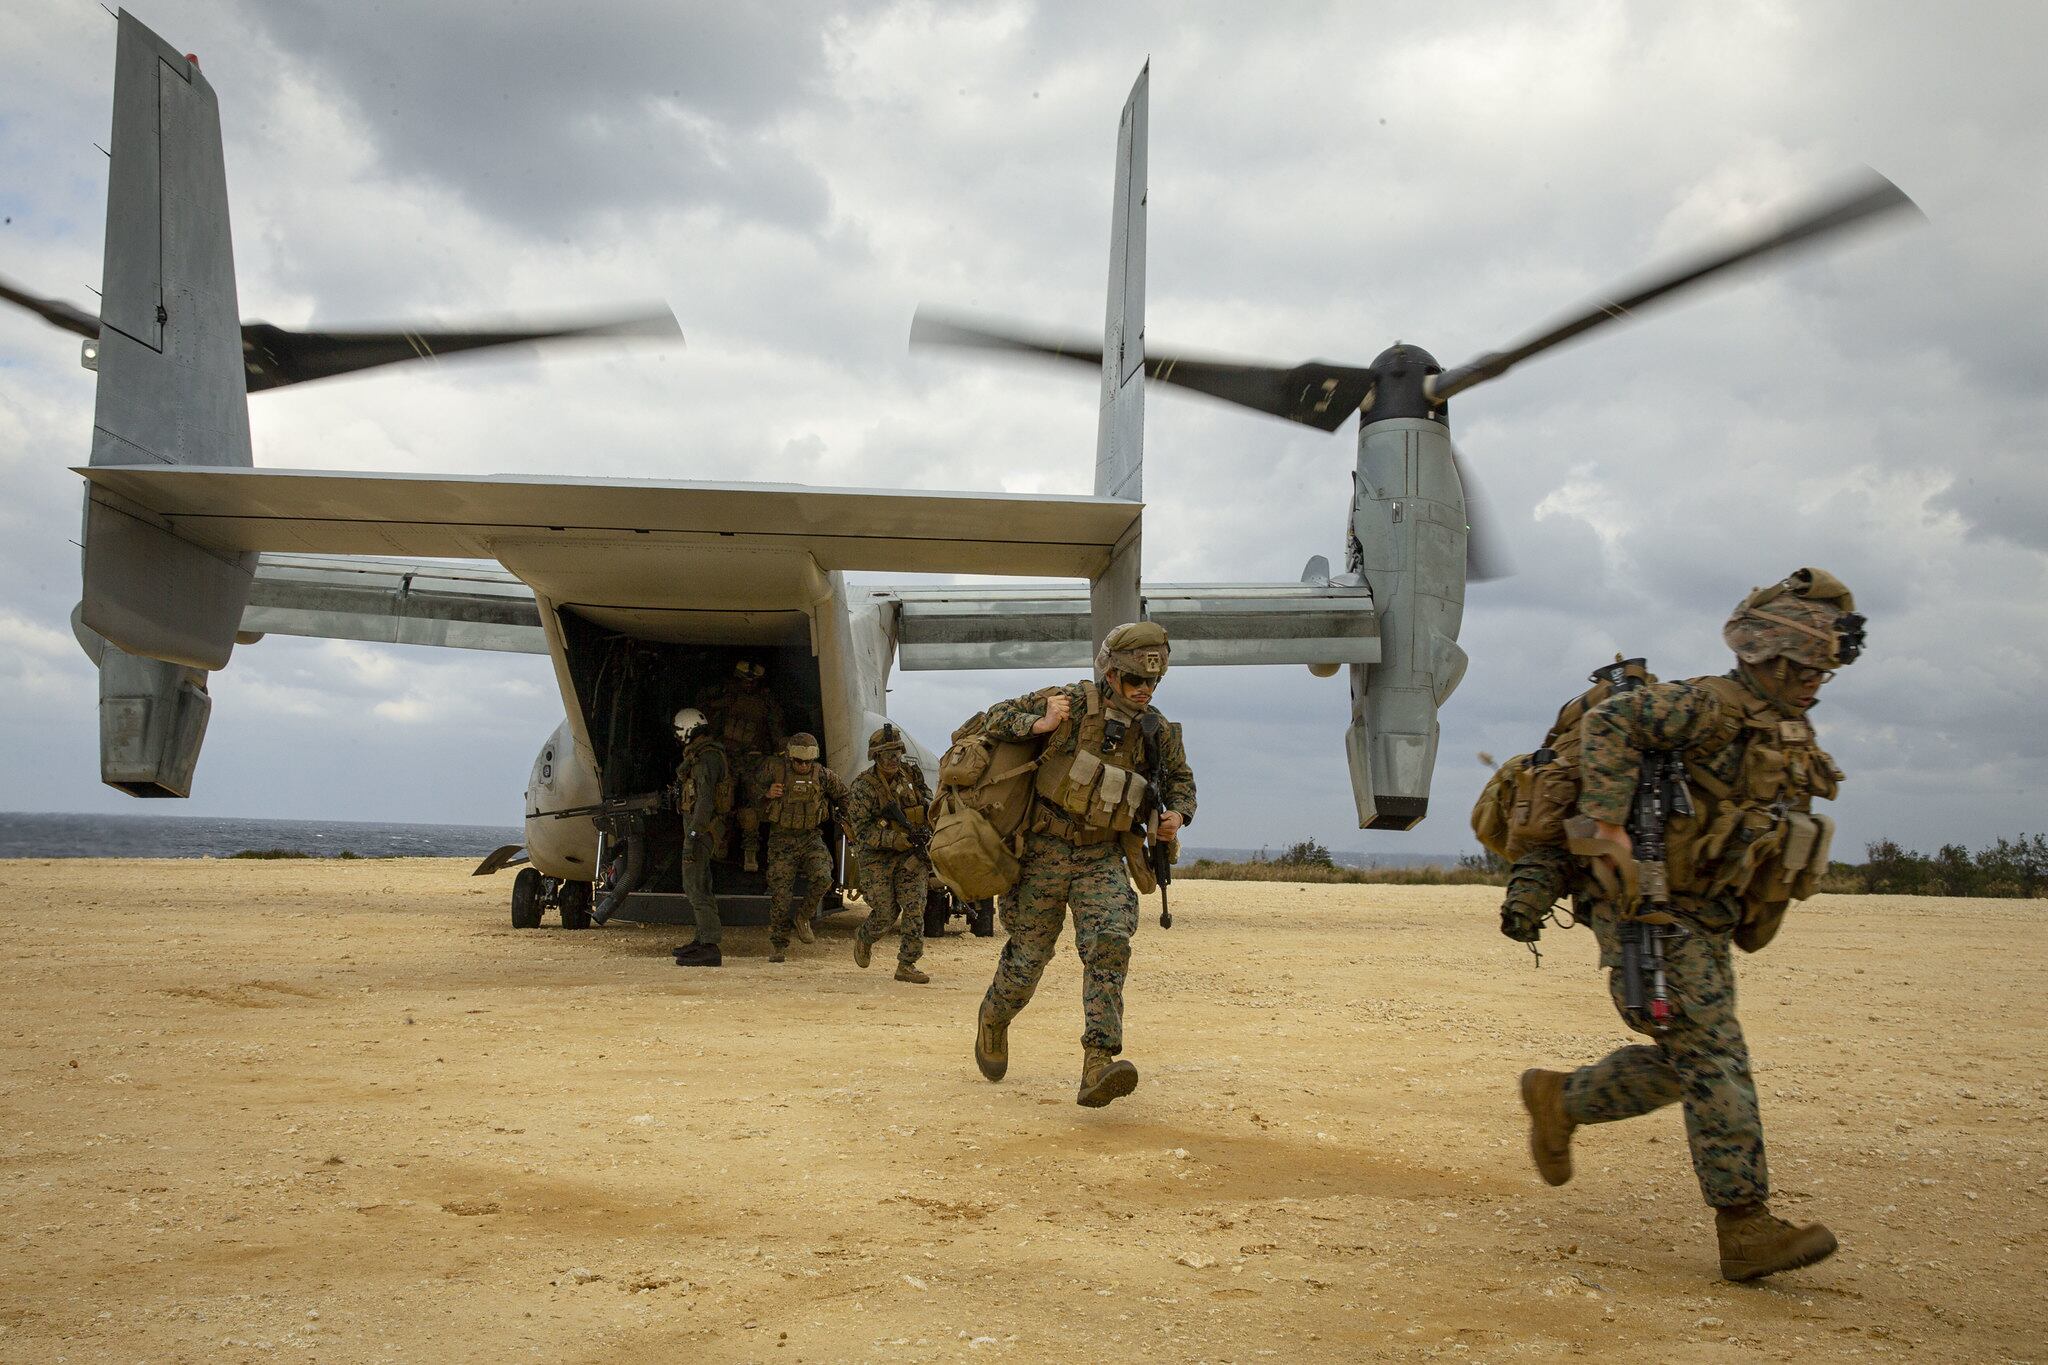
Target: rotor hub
[[1399, 374]]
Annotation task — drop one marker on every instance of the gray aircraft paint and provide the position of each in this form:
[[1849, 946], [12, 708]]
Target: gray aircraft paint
[[181, 514], [1120, 430], [1408, 529], [171, 389]]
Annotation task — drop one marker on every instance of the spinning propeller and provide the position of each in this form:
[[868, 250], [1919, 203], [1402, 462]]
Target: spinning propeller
[[1406, 381], [273, 357]]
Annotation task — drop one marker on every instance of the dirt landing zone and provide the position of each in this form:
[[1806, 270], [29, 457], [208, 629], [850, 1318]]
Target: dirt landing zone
[[343, 1111]]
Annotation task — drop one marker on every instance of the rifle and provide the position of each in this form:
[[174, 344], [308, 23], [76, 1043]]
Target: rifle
[[644, 804], [920, 839], [1158, 851], [1648, 926]]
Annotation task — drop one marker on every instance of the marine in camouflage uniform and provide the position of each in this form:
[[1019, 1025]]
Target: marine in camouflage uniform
[[700, 773], [1099, 733], [1751, 846], [748, 722], [887, 804], [797, 794]]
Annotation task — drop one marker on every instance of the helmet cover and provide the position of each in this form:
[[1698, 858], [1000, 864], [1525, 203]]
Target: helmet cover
[[1135, 650], [1808, 617]]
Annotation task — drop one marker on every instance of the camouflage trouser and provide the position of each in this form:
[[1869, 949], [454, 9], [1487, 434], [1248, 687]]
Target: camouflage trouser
[[893, 884], [697, 886], [793, 854], [746, 814], [1091, 880], [1702, 1063], [1538, 880]]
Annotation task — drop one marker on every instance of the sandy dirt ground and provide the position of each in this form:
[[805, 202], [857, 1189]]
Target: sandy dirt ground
[[343, 1111]]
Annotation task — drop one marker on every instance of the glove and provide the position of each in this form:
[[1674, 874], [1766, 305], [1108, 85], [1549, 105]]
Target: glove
[[899, 841], [1519, 925]]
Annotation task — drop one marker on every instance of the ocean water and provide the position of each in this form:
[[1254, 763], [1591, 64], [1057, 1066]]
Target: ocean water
[[200, 836]]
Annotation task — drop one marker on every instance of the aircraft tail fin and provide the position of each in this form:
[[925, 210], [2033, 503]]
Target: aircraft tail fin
[[171, 384], [1120, 435]]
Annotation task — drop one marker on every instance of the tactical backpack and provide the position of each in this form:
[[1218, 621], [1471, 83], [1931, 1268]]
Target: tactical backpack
[[1526, 802], [983, 807]]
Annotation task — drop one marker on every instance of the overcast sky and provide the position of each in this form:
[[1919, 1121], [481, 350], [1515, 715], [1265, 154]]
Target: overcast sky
[[794, 179]]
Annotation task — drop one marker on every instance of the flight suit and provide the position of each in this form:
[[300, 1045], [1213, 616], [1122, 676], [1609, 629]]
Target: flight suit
[[702, 773]]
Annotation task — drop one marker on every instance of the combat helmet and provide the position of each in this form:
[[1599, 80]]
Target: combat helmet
[[887, 740], [802, 746], [1137, 649], [1808, 617]]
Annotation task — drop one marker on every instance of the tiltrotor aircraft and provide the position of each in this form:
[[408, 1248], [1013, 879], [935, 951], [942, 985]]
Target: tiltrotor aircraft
[[643, 592]]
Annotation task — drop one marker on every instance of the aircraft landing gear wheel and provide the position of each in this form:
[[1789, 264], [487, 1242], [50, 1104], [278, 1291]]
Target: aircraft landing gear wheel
[[575, 904], [983, 920], [526, 899]]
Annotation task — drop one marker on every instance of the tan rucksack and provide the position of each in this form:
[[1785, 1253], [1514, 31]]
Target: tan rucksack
[[982, 809], [1527, 800]]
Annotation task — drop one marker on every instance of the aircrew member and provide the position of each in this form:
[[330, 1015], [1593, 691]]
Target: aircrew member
[[886, 816], [1752, 770], [798, 794], [704, 787], [1109, 758]]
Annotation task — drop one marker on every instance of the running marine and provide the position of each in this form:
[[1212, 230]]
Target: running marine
[[1748, 846], [1109, 758], [887, 815], [797, 794]]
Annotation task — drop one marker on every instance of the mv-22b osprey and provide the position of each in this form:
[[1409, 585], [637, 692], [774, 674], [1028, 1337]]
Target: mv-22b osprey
[[643, 592]]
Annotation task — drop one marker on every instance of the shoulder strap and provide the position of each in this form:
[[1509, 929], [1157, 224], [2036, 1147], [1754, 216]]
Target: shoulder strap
[[1735, 698]]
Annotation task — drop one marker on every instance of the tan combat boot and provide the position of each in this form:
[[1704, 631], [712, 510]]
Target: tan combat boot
[[1755, 1244], [862, 950], [1104, 1078], [906, 972], [991, 1045], [804, 932], [1550, 1128]]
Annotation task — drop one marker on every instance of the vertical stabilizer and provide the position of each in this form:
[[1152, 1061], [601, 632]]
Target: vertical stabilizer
[[1120, 436], [171, 383]]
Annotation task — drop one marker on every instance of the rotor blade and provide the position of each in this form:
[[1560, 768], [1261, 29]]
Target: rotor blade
[[275, 357], [1315, 393], [53, 311], [1868, 197], [1486, 554]]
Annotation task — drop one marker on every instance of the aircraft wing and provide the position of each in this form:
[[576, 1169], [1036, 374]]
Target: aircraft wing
[[229, 510], [937, 627], [1047, 625], [394, 601]]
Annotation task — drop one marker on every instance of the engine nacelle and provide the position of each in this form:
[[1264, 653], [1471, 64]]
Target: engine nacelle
[[1408, 532], [152, 722]]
